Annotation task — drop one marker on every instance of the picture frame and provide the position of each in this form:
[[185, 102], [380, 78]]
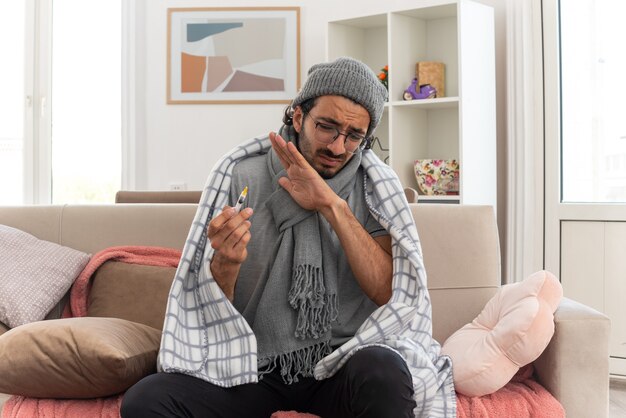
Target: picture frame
[[239, 55]]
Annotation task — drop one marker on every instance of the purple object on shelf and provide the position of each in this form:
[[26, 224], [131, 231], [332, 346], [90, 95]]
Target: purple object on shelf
[[426, 91]]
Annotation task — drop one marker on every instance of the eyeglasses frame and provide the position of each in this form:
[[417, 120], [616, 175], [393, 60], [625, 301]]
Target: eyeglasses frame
[[364, 143]]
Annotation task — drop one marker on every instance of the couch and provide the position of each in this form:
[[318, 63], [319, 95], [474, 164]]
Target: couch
[[462, 259]]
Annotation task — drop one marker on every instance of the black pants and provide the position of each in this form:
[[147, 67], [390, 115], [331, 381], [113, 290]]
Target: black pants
[[375, 382]]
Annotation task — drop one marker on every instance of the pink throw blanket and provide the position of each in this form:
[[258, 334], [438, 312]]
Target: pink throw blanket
[[21, 407], [522, 397], [147, 256]]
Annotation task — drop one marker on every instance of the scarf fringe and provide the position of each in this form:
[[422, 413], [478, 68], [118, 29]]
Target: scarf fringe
[[316, 309], [297, 363]]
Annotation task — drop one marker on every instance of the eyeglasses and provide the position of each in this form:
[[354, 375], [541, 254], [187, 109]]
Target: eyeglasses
[[327, 134]]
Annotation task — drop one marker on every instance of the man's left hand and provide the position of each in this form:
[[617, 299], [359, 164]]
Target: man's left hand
[[303, 183]]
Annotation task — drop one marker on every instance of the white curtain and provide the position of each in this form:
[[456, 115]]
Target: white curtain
[[525, 140]]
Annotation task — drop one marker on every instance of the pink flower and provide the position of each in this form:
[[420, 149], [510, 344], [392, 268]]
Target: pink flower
[[429, 180], [437, 163]]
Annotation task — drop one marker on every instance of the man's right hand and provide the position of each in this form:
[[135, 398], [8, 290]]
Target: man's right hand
[[229, 233]]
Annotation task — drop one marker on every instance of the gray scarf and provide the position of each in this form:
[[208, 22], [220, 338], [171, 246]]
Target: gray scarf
[[296, 301]]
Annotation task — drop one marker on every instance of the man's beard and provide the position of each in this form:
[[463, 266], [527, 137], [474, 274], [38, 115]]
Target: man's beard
[[304, 144], [327, 173]]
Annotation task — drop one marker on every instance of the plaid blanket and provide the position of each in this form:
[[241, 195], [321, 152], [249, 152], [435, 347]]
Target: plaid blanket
[[206, 337]]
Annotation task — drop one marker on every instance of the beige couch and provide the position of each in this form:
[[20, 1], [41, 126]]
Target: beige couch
[[462, 258]]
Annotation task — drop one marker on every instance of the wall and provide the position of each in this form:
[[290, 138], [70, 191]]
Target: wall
[[180, 143]]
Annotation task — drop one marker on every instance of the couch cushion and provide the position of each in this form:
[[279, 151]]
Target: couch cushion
[[133, 196], [34, 275], [453, 308], [134, 292], [126, 224], [76, 357], [460, 245], [513, 329]]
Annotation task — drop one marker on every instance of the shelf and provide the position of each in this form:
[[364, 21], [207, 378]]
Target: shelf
[[365, 22], [431, 13], [459, 125], [438, 199], [437, 103]]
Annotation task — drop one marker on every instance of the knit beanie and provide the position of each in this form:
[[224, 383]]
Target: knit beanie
[[349, 78]]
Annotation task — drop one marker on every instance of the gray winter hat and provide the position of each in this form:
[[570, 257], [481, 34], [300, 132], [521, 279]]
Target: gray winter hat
[[349, 78]]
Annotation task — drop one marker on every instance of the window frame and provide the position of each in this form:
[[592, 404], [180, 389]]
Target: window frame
[[556, 210], [37, 147]]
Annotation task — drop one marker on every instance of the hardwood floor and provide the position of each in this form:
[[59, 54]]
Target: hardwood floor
[[617, 398]]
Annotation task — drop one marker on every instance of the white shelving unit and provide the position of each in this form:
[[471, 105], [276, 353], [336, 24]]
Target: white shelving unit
[[462, 125]]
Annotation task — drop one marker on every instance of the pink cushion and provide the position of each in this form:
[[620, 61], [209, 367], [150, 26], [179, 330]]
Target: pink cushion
[[292, 414], [513, 329]]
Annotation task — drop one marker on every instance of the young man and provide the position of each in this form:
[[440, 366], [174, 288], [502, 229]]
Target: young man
[[306, 271]]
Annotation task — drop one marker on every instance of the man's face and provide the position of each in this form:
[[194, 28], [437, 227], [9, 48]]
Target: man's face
[[337, 111]]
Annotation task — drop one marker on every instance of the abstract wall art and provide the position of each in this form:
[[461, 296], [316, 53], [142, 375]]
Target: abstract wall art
[[233, 55]]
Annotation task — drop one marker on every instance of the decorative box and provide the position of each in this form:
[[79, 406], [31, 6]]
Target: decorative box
[[433, 73], [437, 177]]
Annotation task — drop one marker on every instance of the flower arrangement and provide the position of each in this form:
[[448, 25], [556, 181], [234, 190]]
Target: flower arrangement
[[383, 76]]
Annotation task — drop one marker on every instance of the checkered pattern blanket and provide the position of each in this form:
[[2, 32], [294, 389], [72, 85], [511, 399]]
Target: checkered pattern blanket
[[206, 337]]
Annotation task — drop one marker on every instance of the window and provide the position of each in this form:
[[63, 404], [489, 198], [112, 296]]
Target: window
[[12, 103], [61, 101], [86, 101], [585, 156], [593, 100]]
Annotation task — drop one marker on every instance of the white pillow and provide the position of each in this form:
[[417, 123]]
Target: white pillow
[[34, 275]]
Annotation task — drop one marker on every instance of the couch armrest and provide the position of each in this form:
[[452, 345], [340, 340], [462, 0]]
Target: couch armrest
[[575, 365]]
